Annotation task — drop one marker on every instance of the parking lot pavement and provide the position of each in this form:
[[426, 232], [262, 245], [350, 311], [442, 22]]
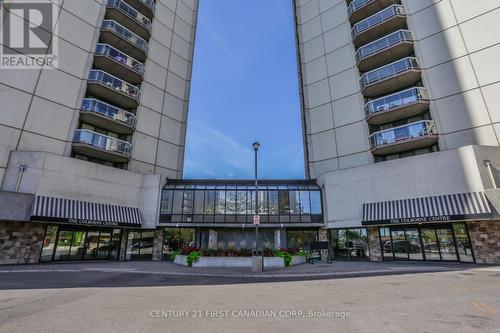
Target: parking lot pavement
[[463, 300]]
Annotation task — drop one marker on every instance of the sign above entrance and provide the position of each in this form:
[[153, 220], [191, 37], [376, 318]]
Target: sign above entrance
[[444, 208], [84, 213]]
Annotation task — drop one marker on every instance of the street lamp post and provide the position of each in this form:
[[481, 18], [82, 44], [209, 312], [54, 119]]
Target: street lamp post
[[258, 260]]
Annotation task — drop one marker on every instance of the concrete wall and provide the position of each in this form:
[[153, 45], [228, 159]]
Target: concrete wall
[[457, 44], [40, 108], [335, 129], [448, 172], [63, 177], [484, 236]]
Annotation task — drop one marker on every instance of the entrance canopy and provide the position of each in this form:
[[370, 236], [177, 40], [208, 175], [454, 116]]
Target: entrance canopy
[[84, 213], [442, 208]]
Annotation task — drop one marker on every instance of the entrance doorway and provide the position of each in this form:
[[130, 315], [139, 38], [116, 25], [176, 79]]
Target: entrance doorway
[[440, 242], [64, 243]]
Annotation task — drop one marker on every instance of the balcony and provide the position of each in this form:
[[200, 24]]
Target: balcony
[[119, 64], [387, 49], [103, 115], [359, 9], [128, 17], [118, 36], [378, 25], [110, 88], [404, 138], [101, 146], [145, 7], [396, 76], [403, 104]]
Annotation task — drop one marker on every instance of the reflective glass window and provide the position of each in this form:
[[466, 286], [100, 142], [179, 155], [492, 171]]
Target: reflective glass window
[[209, 202], [188, 202], [166, 202], [273, 202], [177, 202], [250, 202], [294, 202], [220, 202], [199, 198], [263, 204], [284, 202], [315, 202], [305, 205], [231, 202], [48, 243], [241, 202]]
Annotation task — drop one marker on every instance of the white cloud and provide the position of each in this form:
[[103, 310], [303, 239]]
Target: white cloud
[[214, 154]]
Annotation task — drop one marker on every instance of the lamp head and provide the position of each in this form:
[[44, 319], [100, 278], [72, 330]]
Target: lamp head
[[256, 146]]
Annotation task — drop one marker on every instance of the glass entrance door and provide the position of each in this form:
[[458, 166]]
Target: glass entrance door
[[91, 245], [431, 247], [399, 244], [413, 243], [446, 244]]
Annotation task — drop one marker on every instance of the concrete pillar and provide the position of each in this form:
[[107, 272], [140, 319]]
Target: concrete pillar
[[158, 244], [374, 244], [123, 245], [485, 240], [277, 239], [212, 239]]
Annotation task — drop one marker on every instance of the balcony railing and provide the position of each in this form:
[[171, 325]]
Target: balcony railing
[[376, 19], [111, 112], [358, 4], [100, 141], [129, 36], [403, 133], [387, 71], [397, 100], [115, 83], [383, 43], [130, 12], [111, 52], [141, 4]]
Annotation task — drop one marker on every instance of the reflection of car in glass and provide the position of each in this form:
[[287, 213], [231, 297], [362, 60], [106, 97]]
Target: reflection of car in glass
[[142, 244], [400, 246]]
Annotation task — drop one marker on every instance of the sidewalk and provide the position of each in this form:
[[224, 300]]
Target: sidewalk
[[338, 268]]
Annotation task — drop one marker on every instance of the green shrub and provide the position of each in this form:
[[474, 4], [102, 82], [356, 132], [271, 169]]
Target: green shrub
[[193, 257], [287, 257], [174, 254]]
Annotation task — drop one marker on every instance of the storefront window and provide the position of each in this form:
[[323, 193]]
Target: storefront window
[[385, 243], [350, 244], [48, 243], [463, 243], [176, 239], [77, 245], [140, 244], [301, 238], [63, 245]]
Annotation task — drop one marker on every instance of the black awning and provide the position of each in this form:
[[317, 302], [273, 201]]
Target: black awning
[[84, 213], [442, 208]]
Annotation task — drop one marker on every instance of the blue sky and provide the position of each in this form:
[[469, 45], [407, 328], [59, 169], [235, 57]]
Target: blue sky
[[244, 88]]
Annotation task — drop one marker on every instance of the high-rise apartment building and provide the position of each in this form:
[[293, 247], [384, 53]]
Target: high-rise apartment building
[[91, 140], [401, 128], [401, 118]]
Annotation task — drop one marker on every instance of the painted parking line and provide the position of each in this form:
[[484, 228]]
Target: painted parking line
[[484, 308]]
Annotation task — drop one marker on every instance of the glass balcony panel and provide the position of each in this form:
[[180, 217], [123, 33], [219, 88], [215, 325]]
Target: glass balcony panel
[[94, 105], [406, 132], [102, 141], [130, 12], [111, 52], [126, 34], [115, 83], [383, 43], [377, 19], [389, 70]]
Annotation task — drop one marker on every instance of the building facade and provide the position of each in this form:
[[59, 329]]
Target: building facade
[[401, 124], [85, 147]]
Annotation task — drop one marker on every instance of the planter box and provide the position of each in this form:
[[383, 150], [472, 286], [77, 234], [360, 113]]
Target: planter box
[[269, 262]]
